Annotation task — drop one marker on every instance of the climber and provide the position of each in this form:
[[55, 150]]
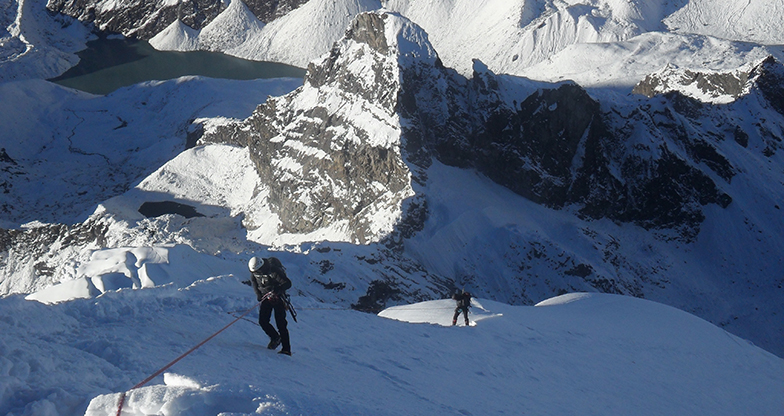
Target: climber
[[269, 281], [463, 303]]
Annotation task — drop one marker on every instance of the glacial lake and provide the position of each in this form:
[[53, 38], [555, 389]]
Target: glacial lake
[[108, 64]]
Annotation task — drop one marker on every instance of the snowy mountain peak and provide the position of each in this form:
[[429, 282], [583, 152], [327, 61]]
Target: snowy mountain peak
[[178, 36], [231, 28]]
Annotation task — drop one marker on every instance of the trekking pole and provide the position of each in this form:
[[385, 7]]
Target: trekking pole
[[290, 307]]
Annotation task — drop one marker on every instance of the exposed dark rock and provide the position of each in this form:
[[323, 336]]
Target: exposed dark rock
[[770, 80], [379, 292], [532, 151], [711, 84], [741, 137], [581, 270], [156, 209], [145, 19], [36, 242], [369, 28], [331, 285], [4, 158]]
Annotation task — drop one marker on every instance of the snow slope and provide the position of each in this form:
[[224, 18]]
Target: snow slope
[[621, 65], [577, 354], [748, 21], [235, 25], [35, 44], [289, 39], [48, 129]]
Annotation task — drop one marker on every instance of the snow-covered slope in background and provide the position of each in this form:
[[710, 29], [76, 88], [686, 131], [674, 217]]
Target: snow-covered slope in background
[[305, 33], [120, 138], [233, 27], [296, 39], [747, 21], [34, 43], [621, 65], [511, 36]]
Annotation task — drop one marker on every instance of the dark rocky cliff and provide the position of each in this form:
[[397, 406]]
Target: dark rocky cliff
[[144, 19]]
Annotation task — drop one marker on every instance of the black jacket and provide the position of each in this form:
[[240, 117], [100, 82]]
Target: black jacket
[[274, 281]]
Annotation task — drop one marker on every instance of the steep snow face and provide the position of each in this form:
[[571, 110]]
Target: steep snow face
[[232, 27], [290, 39], [176, 37], [749, 21], [524, 32], [621, 65]]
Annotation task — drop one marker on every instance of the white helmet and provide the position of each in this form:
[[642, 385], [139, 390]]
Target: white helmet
[[255, 264]]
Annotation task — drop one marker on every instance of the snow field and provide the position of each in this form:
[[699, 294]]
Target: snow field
[[582, 354]]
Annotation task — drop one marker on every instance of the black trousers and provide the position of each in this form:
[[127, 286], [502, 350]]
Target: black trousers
[[265, 311], [459, 309]]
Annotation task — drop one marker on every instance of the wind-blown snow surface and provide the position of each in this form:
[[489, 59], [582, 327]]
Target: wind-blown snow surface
[[748, 21], [577, 354]]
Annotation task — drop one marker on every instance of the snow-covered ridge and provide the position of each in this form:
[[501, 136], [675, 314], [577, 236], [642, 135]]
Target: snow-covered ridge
[[710, 87], [595, 354]]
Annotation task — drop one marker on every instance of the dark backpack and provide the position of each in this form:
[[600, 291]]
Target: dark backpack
[[463, 299], [277, 266]]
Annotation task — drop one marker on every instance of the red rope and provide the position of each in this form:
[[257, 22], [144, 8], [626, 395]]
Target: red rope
[[167, 366]]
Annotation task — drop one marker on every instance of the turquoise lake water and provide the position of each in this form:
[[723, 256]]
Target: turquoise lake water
[[108, 64]]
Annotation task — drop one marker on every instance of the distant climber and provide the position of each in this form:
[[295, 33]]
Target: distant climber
[[269, 281], [463, 299]]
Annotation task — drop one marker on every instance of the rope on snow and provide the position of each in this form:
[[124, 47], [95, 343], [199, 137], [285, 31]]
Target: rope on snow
[[167, 366]]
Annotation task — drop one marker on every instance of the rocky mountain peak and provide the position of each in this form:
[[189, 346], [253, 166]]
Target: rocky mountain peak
[[768, 76], [368, 28], [380, 103], [330, 151]]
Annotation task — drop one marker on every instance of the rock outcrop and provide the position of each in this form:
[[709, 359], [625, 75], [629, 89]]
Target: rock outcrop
[[143, 20]]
